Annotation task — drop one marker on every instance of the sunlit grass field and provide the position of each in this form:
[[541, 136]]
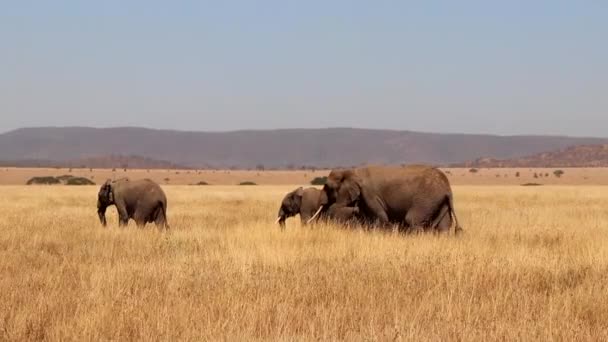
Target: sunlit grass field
[[532, 265]]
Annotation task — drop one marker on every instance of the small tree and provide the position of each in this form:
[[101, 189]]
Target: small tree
[[473, 170], [319, 180], [558, 173]]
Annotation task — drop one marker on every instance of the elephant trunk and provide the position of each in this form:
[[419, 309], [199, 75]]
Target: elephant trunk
[[281, 218], [101, 212]]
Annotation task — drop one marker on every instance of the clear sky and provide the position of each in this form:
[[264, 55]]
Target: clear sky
[[518, 67]]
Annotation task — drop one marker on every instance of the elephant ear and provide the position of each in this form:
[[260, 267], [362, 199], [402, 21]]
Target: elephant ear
[[350, 191], [106, 191], [296, 200], [110, 193], [323, 199]]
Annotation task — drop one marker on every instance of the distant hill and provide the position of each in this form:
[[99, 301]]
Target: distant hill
[[573, 156], [105, 162], [286, 148]]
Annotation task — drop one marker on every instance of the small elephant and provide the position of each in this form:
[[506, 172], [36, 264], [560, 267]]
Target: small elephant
[[306, 202], [141, 200], [414, 196]]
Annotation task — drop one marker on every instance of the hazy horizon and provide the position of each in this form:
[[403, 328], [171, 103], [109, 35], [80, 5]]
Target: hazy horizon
[[516, 68], [298, 128]]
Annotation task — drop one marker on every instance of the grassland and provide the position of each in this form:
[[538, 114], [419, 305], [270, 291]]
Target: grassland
[[532, 265], [458, 176]]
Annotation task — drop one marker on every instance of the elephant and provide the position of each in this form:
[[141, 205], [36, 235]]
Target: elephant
[[141, 200], [416, 196], [306, 201]]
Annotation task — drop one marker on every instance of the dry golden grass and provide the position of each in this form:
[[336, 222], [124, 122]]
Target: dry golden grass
[[458, 176], [532, 265]]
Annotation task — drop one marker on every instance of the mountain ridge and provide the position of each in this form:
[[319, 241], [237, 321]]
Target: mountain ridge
[[276, 148]]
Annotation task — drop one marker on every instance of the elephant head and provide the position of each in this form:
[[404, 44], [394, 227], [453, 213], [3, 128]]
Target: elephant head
[[343, 187], [105, 198], [290, 206], [301, 201]]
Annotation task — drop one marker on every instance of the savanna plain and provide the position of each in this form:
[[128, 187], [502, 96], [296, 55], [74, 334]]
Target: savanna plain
[[532, 264]]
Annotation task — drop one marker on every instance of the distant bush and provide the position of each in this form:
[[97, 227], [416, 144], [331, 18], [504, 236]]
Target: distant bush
[[531, 184], [201, 183], [247, 183], [79, 181], [473, 170], [517, 174], [48, 180], [65, 178], [535, 175], [319, 180], [558, 173]]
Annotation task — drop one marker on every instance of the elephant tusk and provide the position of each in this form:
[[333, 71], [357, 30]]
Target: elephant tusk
[[315, 215], [278, 220]]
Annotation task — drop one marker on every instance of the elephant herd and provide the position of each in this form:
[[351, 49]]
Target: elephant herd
[[410, 197]]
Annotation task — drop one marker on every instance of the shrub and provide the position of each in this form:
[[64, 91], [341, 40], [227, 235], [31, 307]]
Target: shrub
[[43, 180], [473, 170], [517, 174], [247, 183], [558, 173], [64, 178], [79, 181], [319, 180], [201, 183], [535, 175], [531, 184]]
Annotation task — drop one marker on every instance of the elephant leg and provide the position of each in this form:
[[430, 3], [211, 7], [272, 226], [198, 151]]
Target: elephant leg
[[344, 214], [304, 218], [443, 222], [375, 208], [140, 219], [123, 215], [160, 219], [416, 219]]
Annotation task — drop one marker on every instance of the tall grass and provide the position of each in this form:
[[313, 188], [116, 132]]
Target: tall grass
[[532, 265]]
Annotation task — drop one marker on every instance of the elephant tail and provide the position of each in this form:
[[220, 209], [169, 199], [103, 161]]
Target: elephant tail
[[457, 227], [163, 211]]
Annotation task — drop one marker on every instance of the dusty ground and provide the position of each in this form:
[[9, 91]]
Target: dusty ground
[[572, 176], [532, 265]]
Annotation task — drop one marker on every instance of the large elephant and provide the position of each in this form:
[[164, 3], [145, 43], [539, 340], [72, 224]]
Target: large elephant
[[141, 200], [414, 196], [306, 201]]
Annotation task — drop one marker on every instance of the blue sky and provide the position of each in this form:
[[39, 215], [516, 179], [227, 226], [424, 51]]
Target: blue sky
[[519, 67]]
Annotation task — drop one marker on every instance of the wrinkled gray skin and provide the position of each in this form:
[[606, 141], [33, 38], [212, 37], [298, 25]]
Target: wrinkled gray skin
[[414, 196], [141, 200], [305, 202]]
